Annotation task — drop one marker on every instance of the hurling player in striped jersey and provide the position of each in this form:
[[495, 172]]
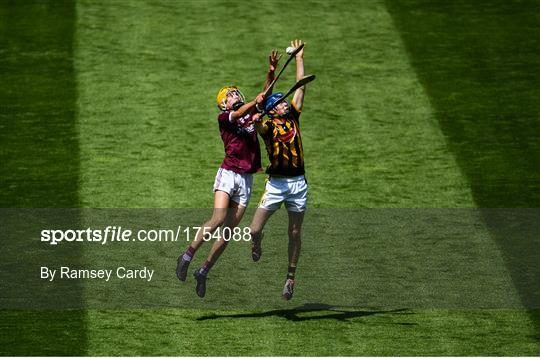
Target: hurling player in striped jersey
[[232, 186], [286, 182]]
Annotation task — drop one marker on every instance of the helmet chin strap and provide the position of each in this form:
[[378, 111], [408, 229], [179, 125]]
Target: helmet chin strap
[[237, 105], [280, 118], [284, 115]]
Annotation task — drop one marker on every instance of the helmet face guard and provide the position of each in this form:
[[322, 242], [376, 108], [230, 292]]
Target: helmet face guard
[[237, 105], [271, 101], [227, 91]]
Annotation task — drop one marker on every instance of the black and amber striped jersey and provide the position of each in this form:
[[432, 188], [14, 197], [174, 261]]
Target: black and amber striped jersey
[[284, 145]]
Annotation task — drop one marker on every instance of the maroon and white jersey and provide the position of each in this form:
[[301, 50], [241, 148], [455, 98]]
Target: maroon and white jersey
[[242, 152]]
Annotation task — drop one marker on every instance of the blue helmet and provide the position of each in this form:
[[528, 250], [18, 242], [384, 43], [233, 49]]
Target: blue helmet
[[270, 102]]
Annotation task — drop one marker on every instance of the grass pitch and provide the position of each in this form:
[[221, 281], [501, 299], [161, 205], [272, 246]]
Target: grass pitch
[[111, 104]]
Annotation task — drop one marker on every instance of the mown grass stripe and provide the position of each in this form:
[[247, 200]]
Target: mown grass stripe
[[39, 160], [148, 75], [479, 65]]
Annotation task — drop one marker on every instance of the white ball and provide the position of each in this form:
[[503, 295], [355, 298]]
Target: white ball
[[289, 50]]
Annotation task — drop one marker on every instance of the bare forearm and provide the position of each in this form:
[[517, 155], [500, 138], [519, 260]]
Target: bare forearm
[[298, 98], [248, 107], [243, 110], [299, 68], [269, 78], [273, 60]]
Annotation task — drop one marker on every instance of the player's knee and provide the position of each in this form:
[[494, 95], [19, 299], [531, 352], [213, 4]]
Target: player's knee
[[216, 221], [223, 241], [294, 233]]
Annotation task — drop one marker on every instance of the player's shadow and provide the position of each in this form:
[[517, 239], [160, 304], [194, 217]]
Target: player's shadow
[[307, 312]]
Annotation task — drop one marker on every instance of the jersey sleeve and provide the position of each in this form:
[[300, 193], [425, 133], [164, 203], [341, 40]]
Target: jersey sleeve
[[270, 127], [224, 117]]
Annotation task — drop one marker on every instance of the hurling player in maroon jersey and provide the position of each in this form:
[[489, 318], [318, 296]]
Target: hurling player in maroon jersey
[[232, 187]]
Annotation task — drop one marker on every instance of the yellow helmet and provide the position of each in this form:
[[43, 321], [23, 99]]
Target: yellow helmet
[[222, 96]]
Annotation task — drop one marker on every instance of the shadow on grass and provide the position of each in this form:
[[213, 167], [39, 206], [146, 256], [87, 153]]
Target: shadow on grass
[[479, 63], [39, 156], [307, 312]]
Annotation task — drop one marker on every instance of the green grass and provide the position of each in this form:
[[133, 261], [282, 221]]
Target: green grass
[[479, 65], [128, 98], [318, 333], [39, 156]]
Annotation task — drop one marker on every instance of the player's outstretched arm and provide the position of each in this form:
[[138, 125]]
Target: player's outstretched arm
[[273, 60], [298, 98], [248, 107]]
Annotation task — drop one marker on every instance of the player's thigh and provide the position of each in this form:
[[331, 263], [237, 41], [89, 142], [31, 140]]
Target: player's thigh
[[242, 189], [221, 204], [224, 187], [275, 192], [234, 214], [296, 199]]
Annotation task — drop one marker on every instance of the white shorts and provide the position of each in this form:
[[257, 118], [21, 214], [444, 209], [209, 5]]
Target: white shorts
[[291, 190], [238, 186]]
